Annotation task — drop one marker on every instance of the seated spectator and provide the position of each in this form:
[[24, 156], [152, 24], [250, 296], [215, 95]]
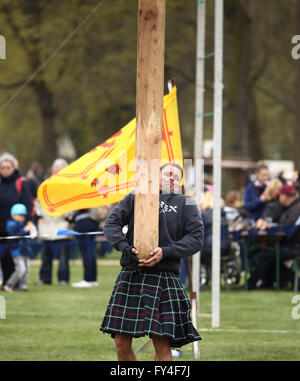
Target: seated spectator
[[20, 248], [232, 207], [289, 247], [297, 182], [289, 177], [273, 209], [255, 199], [207, 217]]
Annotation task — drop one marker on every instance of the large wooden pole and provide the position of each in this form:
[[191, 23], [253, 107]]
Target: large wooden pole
[[149, 119]]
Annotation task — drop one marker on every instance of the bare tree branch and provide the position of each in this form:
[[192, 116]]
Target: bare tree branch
[[260, 71], [15, 28], [275, 98], [11, 85]]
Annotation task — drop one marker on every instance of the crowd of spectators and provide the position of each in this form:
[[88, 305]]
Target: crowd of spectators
[[274, 204], [21, 215], [264, 203]]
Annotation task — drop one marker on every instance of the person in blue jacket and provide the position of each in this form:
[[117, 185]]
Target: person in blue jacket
[[20, 248], [255, 197]]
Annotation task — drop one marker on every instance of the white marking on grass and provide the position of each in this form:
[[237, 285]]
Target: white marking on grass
[[244, 330]]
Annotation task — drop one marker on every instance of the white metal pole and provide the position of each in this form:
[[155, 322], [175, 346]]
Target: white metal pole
[[198, 145], [217, 162], [200, 82], [199, 106]]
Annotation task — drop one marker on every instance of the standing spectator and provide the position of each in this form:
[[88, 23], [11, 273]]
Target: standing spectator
[[53, 245], [89, 220], [13, 189], [255, 198], [35, 177], [20, 248], [84, 223]]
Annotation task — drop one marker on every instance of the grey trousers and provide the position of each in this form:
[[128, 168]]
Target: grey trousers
[[19, 276]]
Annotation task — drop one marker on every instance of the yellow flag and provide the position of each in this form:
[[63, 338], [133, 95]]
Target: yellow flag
[[106, 173]]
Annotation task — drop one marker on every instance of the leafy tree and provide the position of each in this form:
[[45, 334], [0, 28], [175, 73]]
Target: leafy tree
[[71, 70]]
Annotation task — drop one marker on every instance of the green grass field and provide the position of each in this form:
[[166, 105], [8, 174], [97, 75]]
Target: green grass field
[[61, 323]]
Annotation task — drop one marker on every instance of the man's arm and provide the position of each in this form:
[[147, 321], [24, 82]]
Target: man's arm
[[117, 219]]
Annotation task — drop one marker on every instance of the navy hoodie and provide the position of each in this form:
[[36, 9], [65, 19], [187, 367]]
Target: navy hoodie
[[252, 203], [181, 229]]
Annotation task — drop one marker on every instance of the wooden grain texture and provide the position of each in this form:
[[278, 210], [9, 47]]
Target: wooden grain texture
[[149, 116]]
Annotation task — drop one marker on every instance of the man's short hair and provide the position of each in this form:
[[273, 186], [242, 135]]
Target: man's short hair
[[260, 166], [173, 165]]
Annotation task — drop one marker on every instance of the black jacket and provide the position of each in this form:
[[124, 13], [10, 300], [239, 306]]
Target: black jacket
[[288, 218], [180, 228], [274, 210], [10, 196]]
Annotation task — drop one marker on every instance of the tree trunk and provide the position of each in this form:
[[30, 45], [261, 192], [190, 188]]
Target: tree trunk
[[243, 117], [48, 114], [239, 70], [253, 141], [29, 36]]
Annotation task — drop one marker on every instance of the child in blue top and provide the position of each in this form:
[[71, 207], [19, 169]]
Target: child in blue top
[[20, 248]]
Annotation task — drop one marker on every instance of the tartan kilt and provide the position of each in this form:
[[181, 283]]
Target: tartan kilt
[[149, 303]]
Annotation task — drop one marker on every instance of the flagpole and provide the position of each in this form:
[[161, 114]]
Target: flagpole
[[217, 160], [198, 145]]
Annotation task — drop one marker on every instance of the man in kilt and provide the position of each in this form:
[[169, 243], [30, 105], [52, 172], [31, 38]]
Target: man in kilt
[[148, 298]]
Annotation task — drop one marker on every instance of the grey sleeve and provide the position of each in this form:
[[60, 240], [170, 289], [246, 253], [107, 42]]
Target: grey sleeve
[[116, 220]]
